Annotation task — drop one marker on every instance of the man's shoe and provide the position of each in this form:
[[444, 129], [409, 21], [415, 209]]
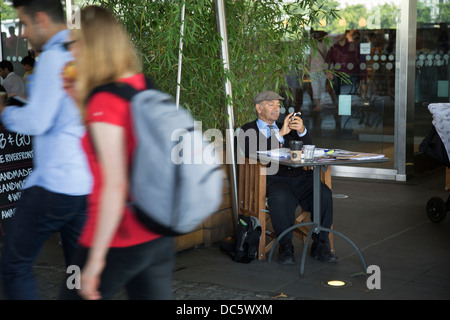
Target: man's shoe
[[286, 254], [320, 251]]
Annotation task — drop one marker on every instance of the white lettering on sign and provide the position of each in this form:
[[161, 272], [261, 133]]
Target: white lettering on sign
[[20, 173], [11, 186], [19, 140], [24, 155], [8, 213]]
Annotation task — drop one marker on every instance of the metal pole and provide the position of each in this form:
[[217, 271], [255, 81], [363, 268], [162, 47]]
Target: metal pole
[[180, 55], [68, 11], [405, 78], [230, 152], [1, 49]]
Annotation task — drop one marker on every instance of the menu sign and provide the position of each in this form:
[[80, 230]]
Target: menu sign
[[16, 164]]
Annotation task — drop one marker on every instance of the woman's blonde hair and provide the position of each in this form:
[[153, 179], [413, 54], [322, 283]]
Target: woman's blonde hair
[[107, 52]]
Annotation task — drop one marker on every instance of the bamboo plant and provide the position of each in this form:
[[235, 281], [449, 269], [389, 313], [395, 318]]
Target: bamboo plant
[[267, 39]]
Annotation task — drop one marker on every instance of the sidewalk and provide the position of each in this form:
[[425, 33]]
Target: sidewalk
[[386, 220]]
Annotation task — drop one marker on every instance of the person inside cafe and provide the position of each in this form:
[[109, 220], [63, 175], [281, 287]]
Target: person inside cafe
[[322, 94], [288, 187], [12, 82], [343, 57], [28, 66]]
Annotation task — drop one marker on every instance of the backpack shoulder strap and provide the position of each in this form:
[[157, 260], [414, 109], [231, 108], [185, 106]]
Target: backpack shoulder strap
[[120, 89]]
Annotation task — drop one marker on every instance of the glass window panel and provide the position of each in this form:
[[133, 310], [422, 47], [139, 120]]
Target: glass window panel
[[432, 66], [357, 112], [13, 47]]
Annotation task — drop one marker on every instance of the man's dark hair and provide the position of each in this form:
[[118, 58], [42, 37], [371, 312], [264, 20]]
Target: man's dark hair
[[53, 8], [28, 60], [5, 64]]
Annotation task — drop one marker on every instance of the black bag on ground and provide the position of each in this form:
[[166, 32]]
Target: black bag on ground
[[248, 234], [433, 146]]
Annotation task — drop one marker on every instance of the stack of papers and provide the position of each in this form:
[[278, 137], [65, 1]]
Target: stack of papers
[[279, 153], [350, 155]]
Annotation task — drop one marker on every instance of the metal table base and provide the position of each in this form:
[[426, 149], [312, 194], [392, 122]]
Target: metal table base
[[315, 227]]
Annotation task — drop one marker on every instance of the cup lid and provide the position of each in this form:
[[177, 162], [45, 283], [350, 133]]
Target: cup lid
[[296, 144]]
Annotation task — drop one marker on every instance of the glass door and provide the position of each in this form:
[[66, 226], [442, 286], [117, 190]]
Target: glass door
[[432, 69], [358, 111]]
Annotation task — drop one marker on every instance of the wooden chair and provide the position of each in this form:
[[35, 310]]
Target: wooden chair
[[252, 201]]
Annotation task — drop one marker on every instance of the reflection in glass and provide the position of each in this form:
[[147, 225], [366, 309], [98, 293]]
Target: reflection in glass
[[354, 110], [14, 48], [432, 63]]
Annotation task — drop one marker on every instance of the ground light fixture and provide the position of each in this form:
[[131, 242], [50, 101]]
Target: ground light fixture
[[336, 284]]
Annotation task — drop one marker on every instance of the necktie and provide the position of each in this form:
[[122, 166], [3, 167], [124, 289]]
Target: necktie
[[272, 130], [274, 142]]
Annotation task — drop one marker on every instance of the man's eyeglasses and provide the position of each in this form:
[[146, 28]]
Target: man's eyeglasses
[[67, 44]]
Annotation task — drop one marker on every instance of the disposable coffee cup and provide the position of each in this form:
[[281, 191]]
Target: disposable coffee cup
[[296, 150]]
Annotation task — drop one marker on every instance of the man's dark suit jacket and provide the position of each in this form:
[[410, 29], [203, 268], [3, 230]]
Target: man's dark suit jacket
[[263, 144]]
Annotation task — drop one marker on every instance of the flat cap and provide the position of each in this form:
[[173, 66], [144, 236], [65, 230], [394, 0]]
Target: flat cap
[[266, 95]]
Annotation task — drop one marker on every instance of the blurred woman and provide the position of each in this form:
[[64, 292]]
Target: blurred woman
[[117, 250]]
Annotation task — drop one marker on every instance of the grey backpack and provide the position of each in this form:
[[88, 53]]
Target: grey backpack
[[173, 188]]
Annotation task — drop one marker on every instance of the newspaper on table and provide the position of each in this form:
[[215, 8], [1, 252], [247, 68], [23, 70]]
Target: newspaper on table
[[325, 154], [351, 155], [285, 152], [277, 153]]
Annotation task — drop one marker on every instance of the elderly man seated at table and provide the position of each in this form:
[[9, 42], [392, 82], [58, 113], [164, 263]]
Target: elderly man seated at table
[[289, 187]]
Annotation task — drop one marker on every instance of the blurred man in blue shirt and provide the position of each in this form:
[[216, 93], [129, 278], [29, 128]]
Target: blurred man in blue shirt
[[54, 195]]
